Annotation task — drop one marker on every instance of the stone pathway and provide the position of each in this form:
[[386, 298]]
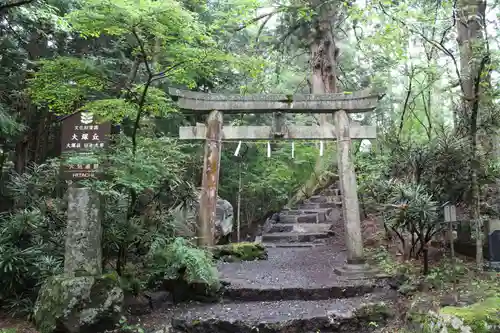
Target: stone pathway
[[296, 289], [308, 224]]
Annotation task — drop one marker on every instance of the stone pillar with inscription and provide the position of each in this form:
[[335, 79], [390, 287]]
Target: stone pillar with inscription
[[82, 298], [83, 251]]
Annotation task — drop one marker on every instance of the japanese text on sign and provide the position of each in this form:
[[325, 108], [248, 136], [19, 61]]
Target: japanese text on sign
[[80, 133]]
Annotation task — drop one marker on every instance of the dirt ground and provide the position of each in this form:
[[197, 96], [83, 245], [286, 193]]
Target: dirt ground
[[8, 323]]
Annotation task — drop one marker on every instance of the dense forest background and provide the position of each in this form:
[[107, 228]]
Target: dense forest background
[[436, 61]]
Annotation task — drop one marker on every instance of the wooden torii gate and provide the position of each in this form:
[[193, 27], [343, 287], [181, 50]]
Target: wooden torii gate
[[213, 132]]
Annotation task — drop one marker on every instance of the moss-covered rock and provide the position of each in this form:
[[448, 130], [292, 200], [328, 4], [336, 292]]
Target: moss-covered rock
[[246, 251], [84, 304], [374, 312], [481, 317]]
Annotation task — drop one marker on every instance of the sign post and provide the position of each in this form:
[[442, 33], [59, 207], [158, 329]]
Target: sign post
[[80, 134], [450, 217], [83, 250]]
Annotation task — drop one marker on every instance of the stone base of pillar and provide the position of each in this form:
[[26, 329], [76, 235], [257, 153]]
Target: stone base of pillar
[[359, 271]]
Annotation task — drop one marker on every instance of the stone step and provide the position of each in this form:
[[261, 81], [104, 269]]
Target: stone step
[[341, 315], [317, 199], [331, 192], [300, 227], [304, 206], [305, 211], [291, 245], [323, 213], [313, 292], [303, 218], [294, 237]]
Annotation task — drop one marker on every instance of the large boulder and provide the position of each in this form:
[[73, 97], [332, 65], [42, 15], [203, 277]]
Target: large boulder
[[224, 219], [84, 304]]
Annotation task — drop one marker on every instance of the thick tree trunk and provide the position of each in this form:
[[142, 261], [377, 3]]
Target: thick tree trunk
[[323, 80], [473, 52], [324, 54]]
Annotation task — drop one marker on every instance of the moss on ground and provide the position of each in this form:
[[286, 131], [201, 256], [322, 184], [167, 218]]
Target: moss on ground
[[481, 317], [246, 251]]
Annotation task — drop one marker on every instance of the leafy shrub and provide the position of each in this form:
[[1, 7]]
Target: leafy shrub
[[31, 239], [408, 182], [180, 260], [138, 196], [30, 251], [440, 165]]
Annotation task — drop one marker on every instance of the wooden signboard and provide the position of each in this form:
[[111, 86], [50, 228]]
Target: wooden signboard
[[81, 133]]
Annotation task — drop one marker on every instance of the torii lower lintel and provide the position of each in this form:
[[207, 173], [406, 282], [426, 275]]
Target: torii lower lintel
[[250, 133]]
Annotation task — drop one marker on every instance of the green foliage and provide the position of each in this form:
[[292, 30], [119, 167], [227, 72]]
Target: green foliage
[[267, 183], [111, 109], [180, 260], [125, 327], [411, 207], [481, 317], [31, 240], [9, 127], [63, 84], [449, 271], [122, 17], [8, 330]]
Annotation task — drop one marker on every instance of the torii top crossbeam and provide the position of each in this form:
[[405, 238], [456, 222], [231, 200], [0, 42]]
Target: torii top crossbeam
[[362, 101]]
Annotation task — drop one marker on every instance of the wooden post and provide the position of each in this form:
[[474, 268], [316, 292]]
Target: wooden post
[[210, 180], [349, 190], [450, 216], [238, 218]]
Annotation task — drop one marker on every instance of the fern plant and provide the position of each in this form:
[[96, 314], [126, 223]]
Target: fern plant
[[181, 260]]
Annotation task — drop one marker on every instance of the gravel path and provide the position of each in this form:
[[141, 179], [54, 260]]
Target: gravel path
[[273, 312], [338, 315], [289, 267]]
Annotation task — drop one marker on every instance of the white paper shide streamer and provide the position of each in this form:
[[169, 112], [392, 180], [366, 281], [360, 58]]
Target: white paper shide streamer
[[293, 149], [268, 149], [321, 148], [237, 151]]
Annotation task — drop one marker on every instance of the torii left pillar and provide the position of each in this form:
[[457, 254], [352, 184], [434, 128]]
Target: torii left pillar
[[210, 180]]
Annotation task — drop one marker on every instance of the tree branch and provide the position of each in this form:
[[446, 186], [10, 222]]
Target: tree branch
[[143, 51], [405, 105], [439, 45]]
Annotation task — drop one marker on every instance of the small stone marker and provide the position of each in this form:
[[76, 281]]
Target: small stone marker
[[494, 243]]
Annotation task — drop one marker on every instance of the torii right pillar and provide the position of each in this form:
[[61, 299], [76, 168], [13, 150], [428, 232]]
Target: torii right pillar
[[355, 266]]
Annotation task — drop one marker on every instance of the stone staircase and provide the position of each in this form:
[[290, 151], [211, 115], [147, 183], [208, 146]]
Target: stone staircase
[[310, 223], [296, 290]]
